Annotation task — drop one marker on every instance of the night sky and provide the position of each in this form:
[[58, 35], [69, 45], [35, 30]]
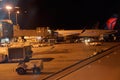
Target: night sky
[[66, 14]]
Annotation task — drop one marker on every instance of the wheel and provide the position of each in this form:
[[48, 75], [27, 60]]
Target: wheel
[[36, 70], [20, 71]]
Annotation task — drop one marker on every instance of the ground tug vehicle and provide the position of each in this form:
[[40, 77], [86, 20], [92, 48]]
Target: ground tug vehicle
[[34, 66]]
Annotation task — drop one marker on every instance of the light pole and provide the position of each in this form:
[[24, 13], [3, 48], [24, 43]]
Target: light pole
[[9, 8], [17, 17]]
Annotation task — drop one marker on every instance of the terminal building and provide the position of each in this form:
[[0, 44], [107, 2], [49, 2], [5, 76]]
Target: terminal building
[[6, 30], [9, 32]]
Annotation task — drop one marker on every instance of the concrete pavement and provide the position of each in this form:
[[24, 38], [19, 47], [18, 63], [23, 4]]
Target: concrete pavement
[[55, 59], [65, 55], [105, 68]]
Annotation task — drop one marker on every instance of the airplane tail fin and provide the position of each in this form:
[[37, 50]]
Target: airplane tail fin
[[111, 22], [83, 29]]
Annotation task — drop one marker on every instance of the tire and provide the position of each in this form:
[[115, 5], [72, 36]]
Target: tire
[[37, 71], [20, 71]]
